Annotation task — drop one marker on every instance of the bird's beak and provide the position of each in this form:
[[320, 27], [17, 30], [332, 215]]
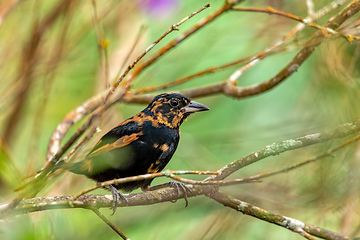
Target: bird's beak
[[195, 107]]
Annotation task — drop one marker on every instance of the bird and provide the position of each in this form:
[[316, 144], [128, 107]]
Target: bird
[[142, 144]]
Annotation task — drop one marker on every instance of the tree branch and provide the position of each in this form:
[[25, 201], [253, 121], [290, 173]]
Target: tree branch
[[306, 230], [277, 148], [93, 201]]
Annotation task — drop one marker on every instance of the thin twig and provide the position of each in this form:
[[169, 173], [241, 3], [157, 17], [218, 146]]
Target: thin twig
[[300, 164], [259, 55], [270, 10], [301, 26], [135, 43], [277, 148], [110, 224], [257, 178], [69, 120], [131, 66], [166, 173], [307, 235]]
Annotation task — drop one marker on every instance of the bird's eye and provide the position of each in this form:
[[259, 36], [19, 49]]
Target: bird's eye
[[174, 102]]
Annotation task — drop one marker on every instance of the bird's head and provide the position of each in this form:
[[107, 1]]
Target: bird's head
[[171, 109]]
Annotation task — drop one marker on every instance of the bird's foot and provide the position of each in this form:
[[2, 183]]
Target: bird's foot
[[117, 196], [178, 186], [183, 187]]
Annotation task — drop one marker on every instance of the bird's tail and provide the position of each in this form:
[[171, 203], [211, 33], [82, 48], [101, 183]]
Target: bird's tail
[[62, 165]]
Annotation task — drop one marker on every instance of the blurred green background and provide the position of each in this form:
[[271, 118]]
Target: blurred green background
[[67, 69]]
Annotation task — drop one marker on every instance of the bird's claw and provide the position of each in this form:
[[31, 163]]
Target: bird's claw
[[117, 196], [184, 188]]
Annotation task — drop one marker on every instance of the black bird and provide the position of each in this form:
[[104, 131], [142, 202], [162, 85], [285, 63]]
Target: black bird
[[142, 144]]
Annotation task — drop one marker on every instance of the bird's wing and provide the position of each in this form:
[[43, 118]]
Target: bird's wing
[[109, 144], [116, 138], [168, 150], [164, 158], [111, 150]]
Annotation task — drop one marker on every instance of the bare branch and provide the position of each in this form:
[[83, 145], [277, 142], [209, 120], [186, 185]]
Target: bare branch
[[277, 148], [166, 173], [306, 230], [135, 43], [270, 10], [164, 195], [147, 63], [284, 170], [99, 201]]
